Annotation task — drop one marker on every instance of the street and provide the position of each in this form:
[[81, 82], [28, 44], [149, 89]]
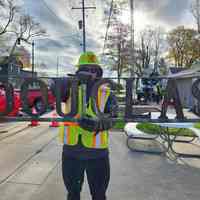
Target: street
[[30, 169]]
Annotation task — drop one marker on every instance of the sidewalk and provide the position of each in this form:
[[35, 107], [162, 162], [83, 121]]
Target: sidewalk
[[134, 176]]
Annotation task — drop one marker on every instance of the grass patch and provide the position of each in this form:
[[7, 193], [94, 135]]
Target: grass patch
[[197, 125], [150, 128], [119, 125], [154, 129]]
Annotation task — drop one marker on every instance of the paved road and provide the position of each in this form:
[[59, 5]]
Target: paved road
[[30, 170]]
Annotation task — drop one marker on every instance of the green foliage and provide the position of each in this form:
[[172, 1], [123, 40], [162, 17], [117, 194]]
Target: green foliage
[[184, 46], [119, 125], [150, 128], [197, 125]]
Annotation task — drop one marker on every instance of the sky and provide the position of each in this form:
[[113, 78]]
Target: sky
[[62, 46]]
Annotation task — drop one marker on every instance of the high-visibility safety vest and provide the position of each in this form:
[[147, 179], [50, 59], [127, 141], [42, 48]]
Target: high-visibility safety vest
[[69, 132]]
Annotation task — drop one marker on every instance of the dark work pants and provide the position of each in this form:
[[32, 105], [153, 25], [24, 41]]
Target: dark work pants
[[98, 175]]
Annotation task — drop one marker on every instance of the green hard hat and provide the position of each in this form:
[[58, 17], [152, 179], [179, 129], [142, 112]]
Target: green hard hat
[[88, 58]]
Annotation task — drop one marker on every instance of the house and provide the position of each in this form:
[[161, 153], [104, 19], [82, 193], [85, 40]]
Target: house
[[13, 71], [185, 79]]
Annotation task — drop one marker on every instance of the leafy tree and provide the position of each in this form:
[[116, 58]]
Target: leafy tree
[[117, 42], [148, 48], [184, 46], [162, 66], [117, 50], [23, 55]]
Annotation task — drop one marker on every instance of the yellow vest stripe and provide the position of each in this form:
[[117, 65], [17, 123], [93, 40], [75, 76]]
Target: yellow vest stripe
[[68, 136], [61, 133], [102, 138], [99, 102], [94, 140]]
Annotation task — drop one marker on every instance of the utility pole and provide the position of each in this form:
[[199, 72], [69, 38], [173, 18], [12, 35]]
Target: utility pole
[[57, 66], [132, 38], [198, 15], [33, 57], [133, 60], [84, 8]]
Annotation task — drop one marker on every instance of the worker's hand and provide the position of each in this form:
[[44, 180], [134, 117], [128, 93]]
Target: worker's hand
[[95, 125], [88, 124], [105, 124]]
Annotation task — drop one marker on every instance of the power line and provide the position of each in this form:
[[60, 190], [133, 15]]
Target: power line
[[55, 15], [51, 11], [108, 26]]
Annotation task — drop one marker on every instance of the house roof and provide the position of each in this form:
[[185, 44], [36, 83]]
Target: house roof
[[175, 70], [194, 71]]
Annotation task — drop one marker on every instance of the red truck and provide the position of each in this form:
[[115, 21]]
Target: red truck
[[34, 99], [16, 105]]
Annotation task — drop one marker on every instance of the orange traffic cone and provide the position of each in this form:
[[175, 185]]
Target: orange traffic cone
[[34, 122], [53, 122]]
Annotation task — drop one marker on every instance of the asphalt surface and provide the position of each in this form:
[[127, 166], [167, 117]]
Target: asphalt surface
[[30, 169]]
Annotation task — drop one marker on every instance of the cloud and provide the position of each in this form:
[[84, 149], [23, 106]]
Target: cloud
[[48, 17], [65, 39], [51, 44], [170, 12], [61, 23]]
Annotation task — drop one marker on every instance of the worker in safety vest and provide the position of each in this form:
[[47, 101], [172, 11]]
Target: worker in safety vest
[[84, 150]]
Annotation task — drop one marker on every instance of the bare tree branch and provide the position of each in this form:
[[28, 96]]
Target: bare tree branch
[[12, 10], [26, 29]]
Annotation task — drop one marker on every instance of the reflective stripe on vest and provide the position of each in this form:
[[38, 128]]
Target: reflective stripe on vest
[[66, 135], [98, 140], [103, 93], [70, 136]]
